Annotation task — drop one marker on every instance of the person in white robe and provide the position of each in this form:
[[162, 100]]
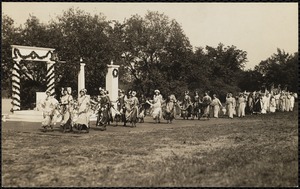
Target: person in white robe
[[156, 106], [216, 105], [48, 106]]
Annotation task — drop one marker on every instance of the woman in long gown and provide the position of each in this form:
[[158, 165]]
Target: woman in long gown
[[216, 105], [66, 109], [257, 104], [48, 106], [283, 102], [170, 109], [288, 102], [156, 106], [102, 110], [84, 114], [186, 106], [131, 106], [229, 105], [206, 104], [250, 103], [272, 104], [242, 105]]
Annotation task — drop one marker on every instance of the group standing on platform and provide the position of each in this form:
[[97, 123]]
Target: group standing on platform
[[75, 114]]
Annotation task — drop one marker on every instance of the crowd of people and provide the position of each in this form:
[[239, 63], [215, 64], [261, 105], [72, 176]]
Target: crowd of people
[[75, 114]]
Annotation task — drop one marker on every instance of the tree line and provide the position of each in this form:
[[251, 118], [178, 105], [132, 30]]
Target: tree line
[[153, 53]]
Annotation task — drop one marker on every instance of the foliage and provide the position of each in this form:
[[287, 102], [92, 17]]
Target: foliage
[[281, 68], [153, 53]]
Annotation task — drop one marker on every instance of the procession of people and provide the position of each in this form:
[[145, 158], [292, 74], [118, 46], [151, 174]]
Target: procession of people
[[75, 114]]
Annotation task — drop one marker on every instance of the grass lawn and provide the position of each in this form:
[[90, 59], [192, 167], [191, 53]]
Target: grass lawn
[[258, 150]]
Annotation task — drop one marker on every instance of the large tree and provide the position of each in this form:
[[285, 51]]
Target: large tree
[[9, 36], [77, 34], [156, 53], [280, 69], [217, 70]]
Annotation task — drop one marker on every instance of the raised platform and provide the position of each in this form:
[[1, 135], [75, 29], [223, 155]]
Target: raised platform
[[31, 116]]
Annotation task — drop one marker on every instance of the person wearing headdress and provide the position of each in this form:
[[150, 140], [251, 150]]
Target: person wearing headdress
[[83, 109], [66, 104], [142, 107], [170, 109], [121, 105], [216, 105], [48, 105], [131, 105], [156, 105], [102, 110], [186, 105]]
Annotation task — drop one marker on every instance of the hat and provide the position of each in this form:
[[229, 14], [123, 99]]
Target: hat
[[133, 93], [83, 90], [156, 91]]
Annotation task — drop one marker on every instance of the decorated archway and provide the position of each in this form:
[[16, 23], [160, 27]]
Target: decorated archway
[[20, 53]]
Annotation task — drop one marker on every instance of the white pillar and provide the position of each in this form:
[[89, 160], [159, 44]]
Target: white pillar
[[50, 77], [81, 78], [112, 82], [16, 100]]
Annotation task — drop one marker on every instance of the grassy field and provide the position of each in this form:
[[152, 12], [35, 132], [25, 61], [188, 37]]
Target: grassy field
[[259, 150]]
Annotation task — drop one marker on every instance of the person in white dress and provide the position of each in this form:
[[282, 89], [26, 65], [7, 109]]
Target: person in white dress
[[156, 105], [272, 104], [241, 105], [292, 100], [83, 109], [216, 105], [48, 106]]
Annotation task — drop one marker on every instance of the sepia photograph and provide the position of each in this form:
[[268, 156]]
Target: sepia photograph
[[154, 94]]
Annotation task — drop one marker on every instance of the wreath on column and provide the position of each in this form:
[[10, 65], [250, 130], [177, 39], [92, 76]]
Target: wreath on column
[[115, 72]]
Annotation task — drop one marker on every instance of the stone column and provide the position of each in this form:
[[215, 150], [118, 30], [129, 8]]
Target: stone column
[[112, 82], [50, 77], [81, 78], [16, 100]]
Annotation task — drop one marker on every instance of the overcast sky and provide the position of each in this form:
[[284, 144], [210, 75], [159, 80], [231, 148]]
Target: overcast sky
[[258, 28]]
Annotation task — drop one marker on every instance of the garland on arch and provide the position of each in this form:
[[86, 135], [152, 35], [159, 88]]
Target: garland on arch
[[32, 55]]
